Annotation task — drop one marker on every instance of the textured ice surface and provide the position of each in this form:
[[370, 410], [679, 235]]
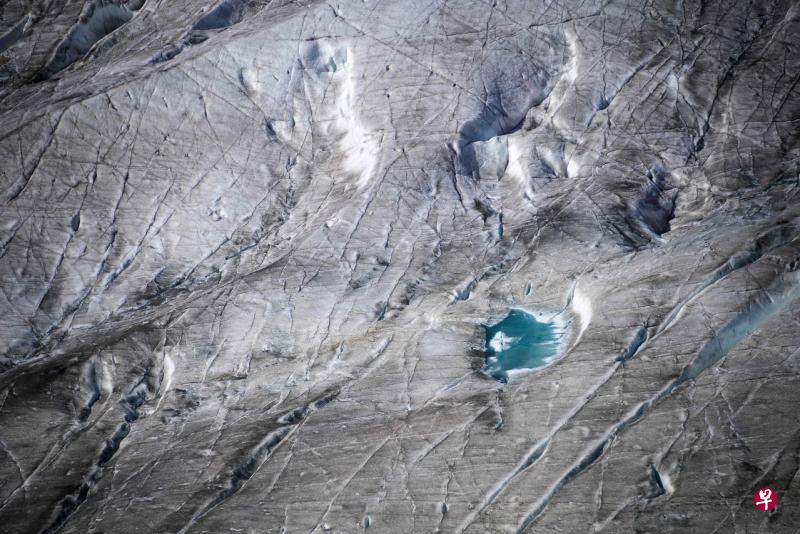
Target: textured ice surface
[[248, 247], [519, 342]]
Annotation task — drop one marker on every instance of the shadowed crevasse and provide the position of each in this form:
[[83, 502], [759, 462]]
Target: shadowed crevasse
[[98, 20]]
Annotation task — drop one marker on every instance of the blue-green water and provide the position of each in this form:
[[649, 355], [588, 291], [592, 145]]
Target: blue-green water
[[519, 342]]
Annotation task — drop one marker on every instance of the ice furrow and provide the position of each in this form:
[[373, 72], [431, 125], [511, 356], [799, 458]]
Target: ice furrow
[[534, 453], [749, 318], [130, 404], [255, 458], [765, 243], [16, 33], [639, 338]]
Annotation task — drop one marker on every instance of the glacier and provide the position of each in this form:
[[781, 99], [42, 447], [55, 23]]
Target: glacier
[[256, 258]]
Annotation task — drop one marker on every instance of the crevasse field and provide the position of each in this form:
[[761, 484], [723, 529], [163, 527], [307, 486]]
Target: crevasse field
[[399, 266]]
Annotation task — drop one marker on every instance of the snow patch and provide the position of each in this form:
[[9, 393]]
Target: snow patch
[[331, 88], [250, 79], [501, 342], [491, 157], [582, 308], [516, 161]]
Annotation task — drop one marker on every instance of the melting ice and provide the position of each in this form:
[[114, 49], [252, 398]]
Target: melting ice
[[520, 341]]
